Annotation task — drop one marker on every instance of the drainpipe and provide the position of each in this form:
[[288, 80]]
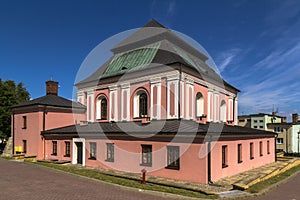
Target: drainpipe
[[13, 133], [44, 127], [209, 161]]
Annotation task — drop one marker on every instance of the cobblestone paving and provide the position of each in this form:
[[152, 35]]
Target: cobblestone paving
[[27, 181]]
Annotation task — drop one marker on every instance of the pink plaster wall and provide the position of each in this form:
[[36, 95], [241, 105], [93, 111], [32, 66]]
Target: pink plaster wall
[[128, 159], [54, 118], [61, 146], [233, 166]]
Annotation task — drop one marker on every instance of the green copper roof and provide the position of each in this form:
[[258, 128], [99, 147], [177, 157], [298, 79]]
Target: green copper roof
[[134, 59]]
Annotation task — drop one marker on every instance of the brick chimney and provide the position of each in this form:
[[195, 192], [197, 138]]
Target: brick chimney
[[52, 87], [283, 120], [295, 118]]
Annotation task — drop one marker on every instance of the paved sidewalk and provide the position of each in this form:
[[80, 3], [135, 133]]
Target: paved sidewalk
[[240, 181], [246, 179], [26, 181]]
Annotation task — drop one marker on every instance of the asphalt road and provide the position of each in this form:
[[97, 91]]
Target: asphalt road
[[22, 181]]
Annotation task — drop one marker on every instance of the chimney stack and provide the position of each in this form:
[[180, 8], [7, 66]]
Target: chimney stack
[[283, 120], [52, 87], [295, 118]]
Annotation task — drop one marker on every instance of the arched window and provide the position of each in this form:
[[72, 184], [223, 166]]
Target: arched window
[[223, 111], [199, 105], [140, 104], [101, 108]]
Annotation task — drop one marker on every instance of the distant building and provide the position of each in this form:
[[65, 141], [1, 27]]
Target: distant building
[[287, 138], [288, 135], [259, 121]]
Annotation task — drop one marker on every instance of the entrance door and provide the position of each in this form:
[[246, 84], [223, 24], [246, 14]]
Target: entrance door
[[79, 152]]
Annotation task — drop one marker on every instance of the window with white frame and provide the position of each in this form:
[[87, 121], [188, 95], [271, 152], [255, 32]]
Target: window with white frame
[[140, 104], [279, 140], [101, 109], [199, 105], [223, 111]]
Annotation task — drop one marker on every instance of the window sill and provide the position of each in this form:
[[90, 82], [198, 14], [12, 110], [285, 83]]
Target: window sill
[[224, 166], [109, 160], [240, 161], [67, 155], [172, 167], [261, 155], [146, 164], [24, 127], [54, 154], [92, 158], [251, 158]]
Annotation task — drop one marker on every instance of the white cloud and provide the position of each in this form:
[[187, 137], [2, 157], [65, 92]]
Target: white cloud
[[227, 58], [171, 8]]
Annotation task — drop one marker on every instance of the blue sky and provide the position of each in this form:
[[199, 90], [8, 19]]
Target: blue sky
[[255, 44]]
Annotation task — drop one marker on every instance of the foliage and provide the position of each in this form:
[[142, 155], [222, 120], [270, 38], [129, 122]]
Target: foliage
[[10, 94]]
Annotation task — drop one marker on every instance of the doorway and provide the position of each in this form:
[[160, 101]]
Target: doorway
[[79, 152]]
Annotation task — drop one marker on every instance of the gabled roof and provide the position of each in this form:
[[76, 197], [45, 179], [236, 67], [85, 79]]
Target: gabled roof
[[168, 127], [51, 100]]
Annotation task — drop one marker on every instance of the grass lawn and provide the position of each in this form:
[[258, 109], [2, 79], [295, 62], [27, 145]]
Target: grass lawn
[[264, 184], [126, 182]]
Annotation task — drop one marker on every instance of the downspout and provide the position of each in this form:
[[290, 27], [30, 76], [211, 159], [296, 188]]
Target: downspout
[[44, 127], [209, 160], [13, 133], [179, 86]]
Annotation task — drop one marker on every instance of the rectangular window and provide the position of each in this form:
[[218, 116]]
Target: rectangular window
[[110, 151], [261, 120], [255, 121], [24, 146], [241, 120], [260, 148], [251, 151], [93, 150], [224, 156], [24, 122], [240, 159], [173, 160], [67, 149], [54, 148], [268, 147], [279, 140], [261, 127], [255, 126], [146, 155]]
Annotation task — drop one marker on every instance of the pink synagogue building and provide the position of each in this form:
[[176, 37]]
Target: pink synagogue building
[[156, 105]]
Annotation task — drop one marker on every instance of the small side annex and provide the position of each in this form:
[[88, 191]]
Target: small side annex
[[182, 150]]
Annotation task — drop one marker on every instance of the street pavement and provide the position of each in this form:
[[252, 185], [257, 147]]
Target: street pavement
[[22, 181], [290, 190]]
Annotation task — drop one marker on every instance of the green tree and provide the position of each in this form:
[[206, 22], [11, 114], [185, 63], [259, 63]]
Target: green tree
[[10, 94]]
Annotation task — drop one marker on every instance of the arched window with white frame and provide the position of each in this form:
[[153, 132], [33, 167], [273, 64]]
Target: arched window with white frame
[[101, 108], [140, 104], [199, 105], [223, 111]]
